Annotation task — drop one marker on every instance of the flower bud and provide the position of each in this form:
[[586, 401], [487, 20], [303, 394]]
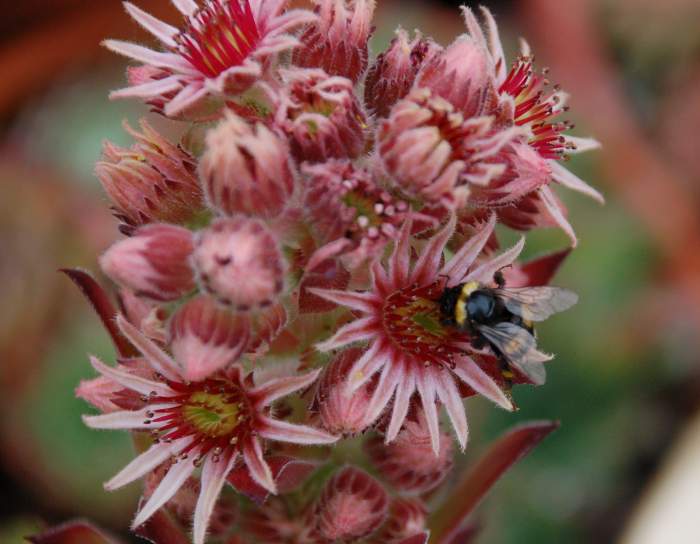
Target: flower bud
[[342, 411], [154, 262], [150, 182], [391, 76], [246, 169], [320, 115], [267, 324], [338, 40], [351, 506], [206, 337], [239, 263], [407, 517], [409, 462], [462, 74], [432, 152], [525, 171]]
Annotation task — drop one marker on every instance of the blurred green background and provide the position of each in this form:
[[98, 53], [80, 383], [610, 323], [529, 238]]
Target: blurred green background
[[627, 375]]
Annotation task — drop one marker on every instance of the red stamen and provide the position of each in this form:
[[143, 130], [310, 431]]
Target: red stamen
[[534, 109], [221, 35]]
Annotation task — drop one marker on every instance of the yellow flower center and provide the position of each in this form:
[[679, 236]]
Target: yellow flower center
[[213, 414]]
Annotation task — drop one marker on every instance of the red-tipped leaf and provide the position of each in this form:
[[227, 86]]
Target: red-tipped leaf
[[536, 272], [450, 518], [103, 307], [73, 532], [161, 528]]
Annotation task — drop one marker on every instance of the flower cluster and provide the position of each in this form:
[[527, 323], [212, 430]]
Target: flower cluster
[[284, 268]]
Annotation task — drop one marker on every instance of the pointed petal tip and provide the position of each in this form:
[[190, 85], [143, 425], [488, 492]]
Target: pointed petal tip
[[325, 346], [112, 45], [320, 292], [95, 362]]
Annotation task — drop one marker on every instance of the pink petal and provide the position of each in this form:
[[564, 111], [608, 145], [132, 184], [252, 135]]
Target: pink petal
[[379, 279], [163, 31], [213, 478], [425, 383], [485, 272], [146, 462], [147, 90], [362, 302], [275, 389], [159, 360], [458, 265], [471, 374], [555, 210], [495, 45], [259, 469], [568, 179], [425, 270], [473, 26], [491, 146], [168, 486], [400, 258], [448, 394], [583, 145], [188, 96], [126, 419], [271, 46], [388, 381], [148, 56], [186, 7], [130, 381], [376, 356], [330, 250], [401, 405], [290, 19], [282, 431], [356, 331]]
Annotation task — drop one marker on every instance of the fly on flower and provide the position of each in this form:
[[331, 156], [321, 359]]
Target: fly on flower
[[504, 319]]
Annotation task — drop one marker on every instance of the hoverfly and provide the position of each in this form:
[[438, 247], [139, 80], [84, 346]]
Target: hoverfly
[[504, 319]]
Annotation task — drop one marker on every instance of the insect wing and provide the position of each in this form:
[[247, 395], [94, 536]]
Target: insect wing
[[519, 348], [537, 303]]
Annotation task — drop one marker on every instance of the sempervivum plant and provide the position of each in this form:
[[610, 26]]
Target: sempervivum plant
[[284, 331]]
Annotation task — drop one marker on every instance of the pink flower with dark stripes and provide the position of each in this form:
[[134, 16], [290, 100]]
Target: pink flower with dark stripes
[[222, 49], [210, 423], [414, 353]]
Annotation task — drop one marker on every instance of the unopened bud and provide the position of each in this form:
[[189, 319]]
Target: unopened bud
[[206, 337], [239, 263], [246, 169], [154, 262], [351, 506], [153, 181], [338, 40]]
